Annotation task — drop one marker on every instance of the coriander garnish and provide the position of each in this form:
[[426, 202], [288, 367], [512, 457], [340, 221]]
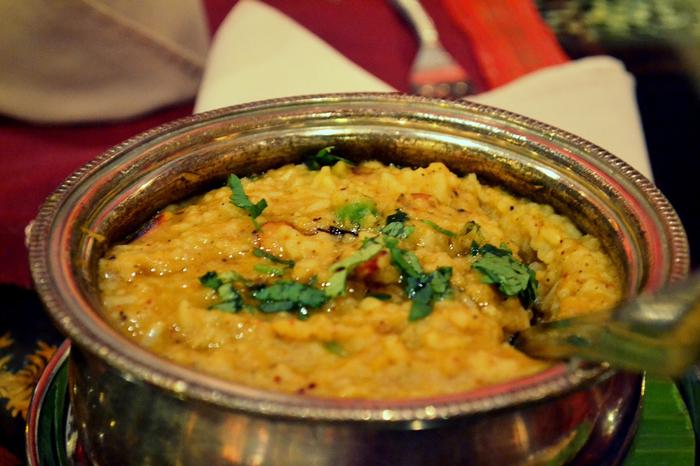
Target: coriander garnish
[[422, 288], [231, 300], [439, 229], [324, 158], [257, 252], [396, 225], [341, 269], [512, 277], [288, 295], [268, 270], [240, 199], [353, 213]]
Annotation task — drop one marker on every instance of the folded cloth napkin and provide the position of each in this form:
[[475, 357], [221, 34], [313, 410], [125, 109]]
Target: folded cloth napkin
[[260, 53]]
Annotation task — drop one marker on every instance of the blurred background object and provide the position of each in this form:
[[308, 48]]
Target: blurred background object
[[97, 60], [659, 42]]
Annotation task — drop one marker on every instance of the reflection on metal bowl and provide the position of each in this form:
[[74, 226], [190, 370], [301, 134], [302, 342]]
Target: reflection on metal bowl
[[133, 407]]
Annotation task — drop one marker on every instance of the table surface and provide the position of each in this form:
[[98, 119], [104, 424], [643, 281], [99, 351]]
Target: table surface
[[36, 158]]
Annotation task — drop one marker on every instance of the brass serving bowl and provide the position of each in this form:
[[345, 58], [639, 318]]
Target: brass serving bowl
[[134, 407]]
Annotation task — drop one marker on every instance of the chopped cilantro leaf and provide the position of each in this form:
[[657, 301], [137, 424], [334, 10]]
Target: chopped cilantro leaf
[[268, 270], [420, 305], [491, 249], [240, 199], [474, 248], [354, 212], [257, 252], [399, 216], [398, 230], [439, 229], [324, 158], [380, 296], [228, 306], [423, 289], [211, 280], [288, 295], [231, 300], [334, 347], [341, 269], [396, 227], [406, 261], [231, 276], [512, 277]]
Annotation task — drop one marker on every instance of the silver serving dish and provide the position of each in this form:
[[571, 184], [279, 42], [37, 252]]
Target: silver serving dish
[[133, 407]]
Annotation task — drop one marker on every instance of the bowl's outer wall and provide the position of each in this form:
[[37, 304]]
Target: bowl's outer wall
[[132, 423], [134, 408]]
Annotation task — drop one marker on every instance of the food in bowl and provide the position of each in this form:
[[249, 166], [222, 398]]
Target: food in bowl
[[369, 281]]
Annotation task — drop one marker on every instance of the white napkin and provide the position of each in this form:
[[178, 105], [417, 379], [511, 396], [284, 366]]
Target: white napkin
[[260, 53]]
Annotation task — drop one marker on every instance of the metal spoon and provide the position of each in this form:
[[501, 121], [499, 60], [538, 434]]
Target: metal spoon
[[657, 333]]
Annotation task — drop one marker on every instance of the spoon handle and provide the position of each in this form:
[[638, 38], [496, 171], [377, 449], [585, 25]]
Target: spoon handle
[[658, 333]]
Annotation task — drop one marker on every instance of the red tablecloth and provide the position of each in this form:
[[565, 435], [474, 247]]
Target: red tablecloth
[[36, 158]]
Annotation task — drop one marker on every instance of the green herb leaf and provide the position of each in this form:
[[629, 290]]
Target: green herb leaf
[[257, 252], [214, 280], [211, 280], [288, 295], [423, 289], [341, 269], [231, 300], [474, 248], [512, 277], [398, 230], [406, 261], [354, 212], [335, 348], [232, 277], [324, 158], [240, 199], [399, 216], [439, 229], [268, 270], [228, 306], [491, 249], [396, 227], [380, 296]]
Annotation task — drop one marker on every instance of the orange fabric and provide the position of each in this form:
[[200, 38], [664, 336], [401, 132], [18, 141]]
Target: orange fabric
[[509, 36]]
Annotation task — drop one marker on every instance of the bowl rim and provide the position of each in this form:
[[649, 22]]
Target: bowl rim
[[183, 382]]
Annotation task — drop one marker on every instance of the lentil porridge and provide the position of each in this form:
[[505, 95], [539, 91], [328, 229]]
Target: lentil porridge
[[363, 281]]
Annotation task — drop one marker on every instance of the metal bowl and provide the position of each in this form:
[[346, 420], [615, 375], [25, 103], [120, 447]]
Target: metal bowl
[[134, 407]]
